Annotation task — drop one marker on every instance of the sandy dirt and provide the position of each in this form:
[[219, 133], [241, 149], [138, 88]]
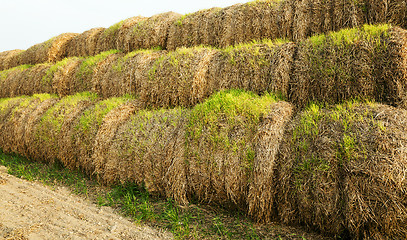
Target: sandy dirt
[[29, 210]]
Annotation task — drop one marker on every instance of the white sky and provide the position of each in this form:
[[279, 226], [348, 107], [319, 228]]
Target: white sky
[[24, 23]]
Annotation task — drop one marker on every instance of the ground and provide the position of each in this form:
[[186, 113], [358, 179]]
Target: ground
[[30, 210]]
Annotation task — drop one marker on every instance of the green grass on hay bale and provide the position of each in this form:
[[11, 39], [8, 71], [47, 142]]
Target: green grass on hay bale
[[364, 62], [342, 171], [221, 145], [55, 124]]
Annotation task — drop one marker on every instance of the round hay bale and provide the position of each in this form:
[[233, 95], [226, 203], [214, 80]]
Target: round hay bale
[[104, 137], [59, 47], [263, 67], [50, 131], [198, 28], [52, 50], [341, 65], [121, 75], [151, 32], [348, 14], [33, 82], [270, 133], [114, 36], [244, 23], [14, 128], [176, 76], [220, 143], [342, 171], [149, 150], [64, 80], [10, 59], [88, 68], [77, 153], [126, 29], [382, 11], [84, 44], [11, 80], [32, 150]]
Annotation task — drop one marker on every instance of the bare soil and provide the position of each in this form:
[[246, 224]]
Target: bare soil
[[30, 210]]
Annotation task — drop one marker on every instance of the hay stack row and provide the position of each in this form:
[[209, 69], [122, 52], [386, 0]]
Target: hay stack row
[[366, 62], [339, 169], [218, 27]]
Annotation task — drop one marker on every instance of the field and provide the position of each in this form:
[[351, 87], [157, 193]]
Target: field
[[288, 112]]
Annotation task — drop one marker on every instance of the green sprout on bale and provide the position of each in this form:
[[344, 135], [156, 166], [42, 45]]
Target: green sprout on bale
[[232, 109], [49, 75]]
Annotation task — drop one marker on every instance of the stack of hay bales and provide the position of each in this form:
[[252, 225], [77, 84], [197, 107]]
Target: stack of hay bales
[[366, 62], [342, 171], [85, 44]]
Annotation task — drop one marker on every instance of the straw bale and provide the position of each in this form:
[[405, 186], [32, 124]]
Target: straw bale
[[51, 130], [151, 32], [342, 171], [29, 138], [126, 29], [88, 68], [9, 59], [122, 75], [7, 108], [14, 127], [258, 68], [244, 23], [177, 76], [220, 143], [59, 47], [149, 150], [387, 11], [312, 16], [14, 81], [351, 63], [65, 81], [198, 28], [52, 50], [85, 44], [114, 36], [268, 138], [105, 136]]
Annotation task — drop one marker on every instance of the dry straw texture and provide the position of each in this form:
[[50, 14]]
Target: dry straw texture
[[221, 143], [52, 50], [10, 59], [148, 149], [151, 32], [51, 131], [85, 44], [342, 171], [120, 74], [80, 149], [114, 37], [366, 62], [258, 67], [270, 134], [176, 77], [199, 28]]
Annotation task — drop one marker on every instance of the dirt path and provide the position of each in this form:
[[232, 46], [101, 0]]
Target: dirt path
[[29, 210]]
